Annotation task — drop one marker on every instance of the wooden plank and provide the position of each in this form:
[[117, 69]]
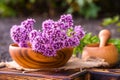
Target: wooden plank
[[104, 74], [8, 74], [89, 74]]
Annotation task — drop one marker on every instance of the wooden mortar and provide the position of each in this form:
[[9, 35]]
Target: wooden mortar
[[104, 50]]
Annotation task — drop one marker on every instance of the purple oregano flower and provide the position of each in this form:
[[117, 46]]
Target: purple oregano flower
[[28, 24], [20, 33], [54, 36]]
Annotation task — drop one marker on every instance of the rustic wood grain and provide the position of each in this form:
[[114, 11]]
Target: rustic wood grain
[[74, 74], [13, 74], [28, 58], [105, 74]]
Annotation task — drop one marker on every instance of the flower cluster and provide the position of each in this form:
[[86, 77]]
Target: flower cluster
[[20, 33], [54, 36]]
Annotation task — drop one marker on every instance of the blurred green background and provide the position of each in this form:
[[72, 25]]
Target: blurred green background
[[84, 8]]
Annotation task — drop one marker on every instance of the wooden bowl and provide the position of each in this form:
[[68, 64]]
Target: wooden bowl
[[109, 52], [28, 58]]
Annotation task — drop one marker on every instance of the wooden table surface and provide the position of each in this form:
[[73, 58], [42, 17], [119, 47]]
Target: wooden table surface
[[88, 74], [12, 74]]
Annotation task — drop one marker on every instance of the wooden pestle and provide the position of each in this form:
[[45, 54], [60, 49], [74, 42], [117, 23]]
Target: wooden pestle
[[104, 35], [103, 50]]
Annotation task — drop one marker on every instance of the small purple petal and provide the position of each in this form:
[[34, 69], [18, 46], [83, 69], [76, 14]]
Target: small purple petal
[[58, 45], [33, 34], [47, 25], [28, 24], [23, 44], [19, 34], [79, 32], [49, 52]]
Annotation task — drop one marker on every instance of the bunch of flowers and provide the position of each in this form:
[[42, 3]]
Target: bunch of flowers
[[54, 36]]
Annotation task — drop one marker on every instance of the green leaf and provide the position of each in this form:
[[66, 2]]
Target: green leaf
[[81, 3], [87, 36], [115, 19], [94, 39], [107, 21], [69, 1], [2, 1], [118, 24], [32, 1], [6, 11], [90, 11], [116, 42], [89, 1], [70, 10], [87, 39]]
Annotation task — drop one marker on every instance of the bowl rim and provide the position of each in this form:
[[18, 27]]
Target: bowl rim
[[96, 45]]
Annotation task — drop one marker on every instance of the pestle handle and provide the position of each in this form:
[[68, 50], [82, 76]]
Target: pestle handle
[[104, 35]]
